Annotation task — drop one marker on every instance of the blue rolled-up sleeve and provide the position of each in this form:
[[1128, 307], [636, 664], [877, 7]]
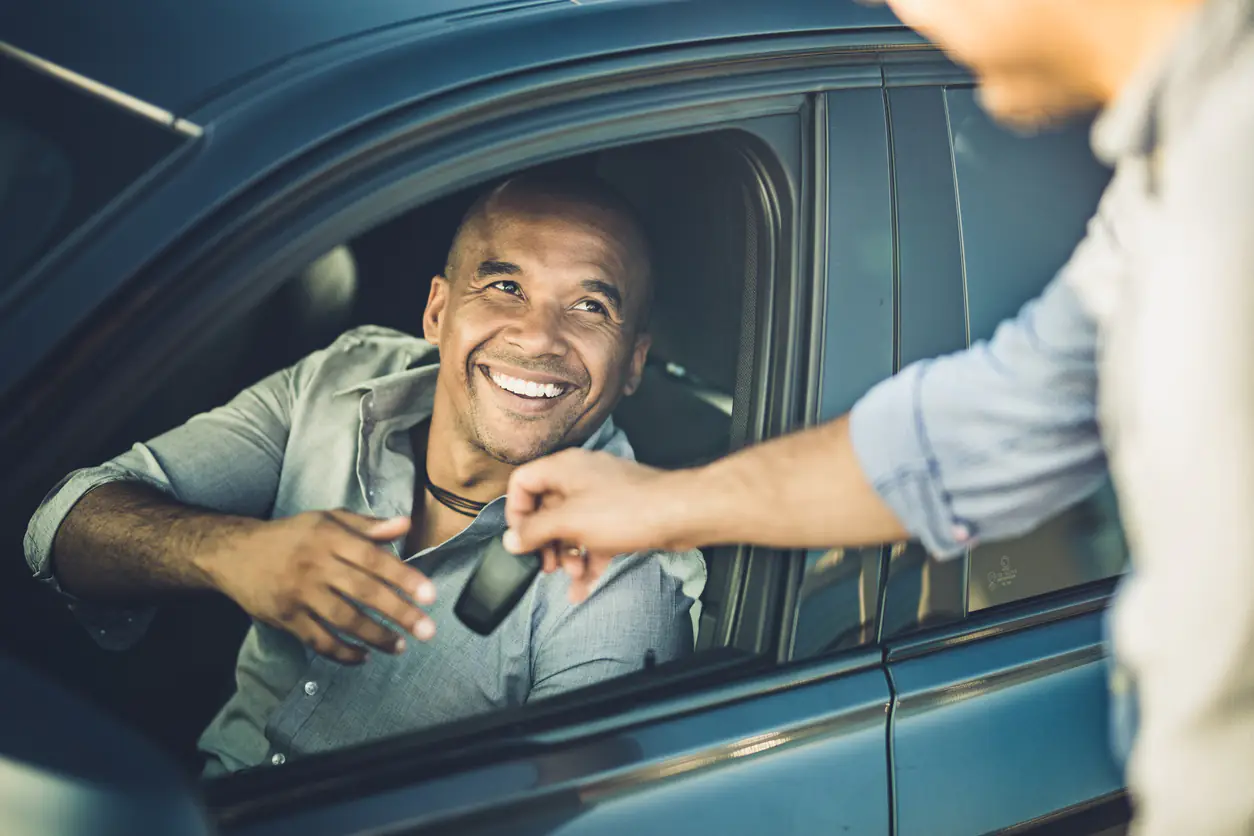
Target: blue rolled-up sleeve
[[987, 443]]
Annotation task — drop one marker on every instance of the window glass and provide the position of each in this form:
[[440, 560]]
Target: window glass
[[1024, 202], [838, 601], [64, 154], [250, 694]]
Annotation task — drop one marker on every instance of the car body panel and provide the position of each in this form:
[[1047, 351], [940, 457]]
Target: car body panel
[[180, 56], [810, 754], [916, 734], [1004, 730]]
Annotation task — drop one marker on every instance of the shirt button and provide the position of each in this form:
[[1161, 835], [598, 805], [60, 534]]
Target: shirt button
[[311, 687], [278, 759]]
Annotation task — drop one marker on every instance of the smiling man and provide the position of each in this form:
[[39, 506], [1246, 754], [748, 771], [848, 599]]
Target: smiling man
[[333, 498]]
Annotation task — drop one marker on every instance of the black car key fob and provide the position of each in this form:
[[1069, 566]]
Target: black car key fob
[[495, 588]]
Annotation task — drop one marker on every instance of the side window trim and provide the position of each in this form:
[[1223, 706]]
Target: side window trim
[[856, 268]]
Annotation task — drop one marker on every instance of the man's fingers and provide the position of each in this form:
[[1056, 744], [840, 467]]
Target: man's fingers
[[536, 530], [549, 558], [366, 557], [324, 642], [590, 570], [574, 562], [368, 591], [527, 486], [371, 527], [336, 610], [539, 483]]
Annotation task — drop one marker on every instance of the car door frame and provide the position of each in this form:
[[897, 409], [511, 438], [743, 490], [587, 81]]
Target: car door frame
[[815, 706]]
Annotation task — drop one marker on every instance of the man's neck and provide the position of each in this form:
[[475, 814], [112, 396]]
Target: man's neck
[[456, 465], [1129, 42]]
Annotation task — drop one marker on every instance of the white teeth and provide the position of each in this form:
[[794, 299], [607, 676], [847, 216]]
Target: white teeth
[[526, 388]]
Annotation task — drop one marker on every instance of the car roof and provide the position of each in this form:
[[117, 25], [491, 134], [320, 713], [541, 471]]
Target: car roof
[[179, 55], [176, 54]]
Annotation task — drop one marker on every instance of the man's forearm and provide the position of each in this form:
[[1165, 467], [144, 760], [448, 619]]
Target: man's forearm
[[805, 490], [126, 541]]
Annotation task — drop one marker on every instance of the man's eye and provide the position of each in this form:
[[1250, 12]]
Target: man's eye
[[508, 286], [591, 306]]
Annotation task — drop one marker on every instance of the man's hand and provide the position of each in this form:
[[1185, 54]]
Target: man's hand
[[315, 572], [581, 509]]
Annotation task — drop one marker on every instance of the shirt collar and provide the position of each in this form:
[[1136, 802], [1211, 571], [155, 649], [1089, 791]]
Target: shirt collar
[[1162, 93]]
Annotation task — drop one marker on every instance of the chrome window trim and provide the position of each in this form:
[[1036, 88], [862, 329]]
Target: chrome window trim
[[103, 91]]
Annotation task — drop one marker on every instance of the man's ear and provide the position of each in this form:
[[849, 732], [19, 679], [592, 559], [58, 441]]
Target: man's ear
[[433, 316], [639, 354]]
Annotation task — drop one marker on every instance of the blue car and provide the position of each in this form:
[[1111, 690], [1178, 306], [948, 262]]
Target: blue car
[[184, 186]]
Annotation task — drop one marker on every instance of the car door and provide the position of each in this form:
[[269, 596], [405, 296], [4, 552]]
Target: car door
[[731, 740], [730, 743], [997, 661]]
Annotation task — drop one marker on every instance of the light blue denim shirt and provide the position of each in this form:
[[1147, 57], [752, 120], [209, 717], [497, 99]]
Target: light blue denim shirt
[[332, 432]]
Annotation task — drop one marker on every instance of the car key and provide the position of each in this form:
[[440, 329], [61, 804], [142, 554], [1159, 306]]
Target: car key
[[495, 588]]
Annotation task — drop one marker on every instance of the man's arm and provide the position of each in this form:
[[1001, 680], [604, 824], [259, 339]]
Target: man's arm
[[117, 531], [127, 541], [181, 512], [985, 443]]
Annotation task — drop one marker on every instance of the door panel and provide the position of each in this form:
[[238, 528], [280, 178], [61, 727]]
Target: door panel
[[804, 751], [994, 732]]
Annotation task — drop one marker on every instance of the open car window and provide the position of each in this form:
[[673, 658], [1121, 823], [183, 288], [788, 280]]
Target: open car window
[[371, 290]]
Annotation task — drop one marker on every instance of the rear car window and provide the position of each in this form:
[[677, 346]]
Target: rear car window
[[1024, 202], [64, 154]]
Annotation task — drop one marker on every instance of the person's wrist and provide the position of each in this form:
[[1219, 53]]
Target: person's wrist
[[222, 550], [686, 521]]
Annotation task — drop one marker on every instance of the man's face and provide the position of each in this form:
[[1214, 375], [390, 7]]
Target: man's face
[[1026, 54], [539, 331]]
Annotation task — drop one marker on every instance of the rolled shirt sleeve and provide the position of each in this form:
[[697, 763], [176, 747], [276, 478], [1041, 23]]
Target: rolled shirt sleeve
[[228, 460], [987, 443]]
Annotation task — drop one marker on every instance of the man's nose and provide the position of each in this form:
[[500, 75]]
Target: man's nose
[[538, 331]]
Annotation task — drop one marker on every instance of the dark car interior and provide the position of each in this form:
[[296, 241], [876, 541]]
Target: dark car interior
[[703, 204]]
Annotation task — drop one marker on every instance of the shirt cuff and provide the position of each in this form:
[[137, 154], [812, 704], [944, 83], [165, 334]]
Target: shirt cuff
[[890, 442], [113, 628]]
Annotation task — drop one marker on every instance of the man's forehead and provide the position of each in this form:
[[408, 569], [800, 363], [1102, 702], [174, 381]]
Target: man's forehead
[[547, 236]]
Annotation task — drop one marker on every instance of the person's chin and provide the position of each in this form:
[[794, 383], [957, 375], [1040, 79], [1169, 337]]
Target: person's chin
[[1029, 114], [515, 442]]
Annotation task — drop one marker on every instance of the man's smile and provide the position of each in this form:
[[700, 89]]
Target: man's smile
[[532, 391]]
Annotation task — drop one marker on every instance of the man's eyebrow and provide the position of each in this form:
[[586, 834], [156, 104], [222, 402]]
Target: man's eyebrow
[[609, 291], [497, 268]]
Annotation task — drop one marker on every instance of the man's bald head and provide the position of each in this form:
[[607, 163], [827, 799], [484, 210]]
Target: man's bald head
[[561, 195]]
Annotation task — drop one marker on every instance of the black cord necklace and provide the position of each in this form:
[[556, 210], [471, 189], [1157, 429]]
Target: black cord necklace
[[453, 502], [460, 504]]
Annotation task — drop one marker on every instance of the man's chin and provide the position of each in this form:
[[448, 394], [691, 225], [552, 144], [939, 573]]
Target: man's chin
[[518, 451], [1027, 113]]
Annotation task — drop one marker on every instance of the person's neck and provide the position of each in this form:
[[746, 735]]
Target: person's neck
[[456, 465], [1130, 42]]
